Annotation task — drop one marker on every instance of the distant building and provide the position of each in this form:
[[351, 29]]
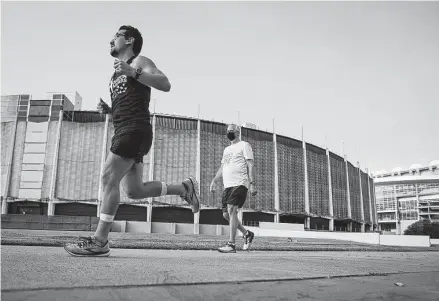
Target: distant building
[[38, 110], [250, 126], [405, 196], [12, 105], [30, 121], [73, 97]]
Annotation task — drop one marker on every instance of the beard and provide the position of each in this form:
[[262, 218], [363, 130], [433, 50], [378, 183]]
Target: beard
[[113, 52]]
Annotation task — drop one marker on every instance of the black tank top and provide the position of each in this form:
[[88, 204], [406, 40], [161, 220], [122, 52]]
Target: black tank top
[[129, 103]]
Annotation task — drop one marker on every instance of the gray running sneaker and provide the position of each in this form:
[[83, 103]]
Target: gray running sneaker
[[248, 239], [191, 195], [228, 248], [88, 246]]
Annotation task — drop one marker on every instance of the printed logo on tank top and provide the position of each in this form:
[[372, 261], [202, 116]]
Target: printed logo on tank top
[[118, 86]]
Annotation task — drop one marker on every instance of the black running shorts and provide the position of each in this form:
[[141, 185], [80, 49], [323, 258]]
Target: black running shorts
[[234, 196], [133, 145]]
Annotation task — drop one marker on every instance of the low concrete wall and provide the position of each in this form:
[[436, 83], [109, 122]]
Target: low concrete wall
[[119, 226], [168, 228], [44, 222], [405, 240], [138, 227], [208, 229], [184, 228], [369, 238], [282, 226], [86, 223], [225, 230]]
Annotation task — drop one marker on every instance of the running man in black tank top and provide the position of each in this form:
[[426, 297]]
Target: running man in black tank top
[[130, 89]]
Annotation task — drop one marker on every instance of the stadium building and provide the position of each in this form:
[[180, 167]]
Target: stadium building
[[52, 158], [405, 196]]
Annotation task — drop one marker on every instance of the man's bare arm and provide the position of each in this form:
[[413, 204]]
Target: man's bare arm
[[151, 75], [219, 174], [251, 170]]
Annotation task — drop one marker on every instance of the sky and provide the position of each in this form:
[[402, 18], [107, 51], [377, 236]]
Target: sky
[[362, 77]]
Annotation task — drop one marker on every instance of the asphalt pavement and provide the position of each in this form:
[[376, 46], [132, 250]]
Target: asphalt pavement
[[49, 273]]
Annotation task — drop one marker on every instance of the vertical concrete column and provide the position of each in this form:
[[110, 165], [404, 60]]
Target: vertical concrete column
[[50, 208], [277, 217], [5, 206], [276, 180], [417, 200], [103, 158], [331, 206], [151, 168], [10, 157], [152, 150], [52, 194], [397, 217], [370, 200], [198, 176], [363, 223], [149, 212], [197, 222], [349, 194], [307, 211], [375, 204]]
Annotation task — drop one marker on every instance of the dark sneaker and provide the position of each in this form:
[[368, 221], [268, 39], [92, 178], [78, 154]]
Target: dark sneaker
[[191, 195], [228, 248], [88, 246], [248, 239]]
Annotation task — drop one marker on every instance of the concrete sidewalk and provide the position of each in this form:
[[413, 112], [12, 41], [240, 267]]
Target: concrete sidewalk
[[49, 273], [416, 286], [193, 242]]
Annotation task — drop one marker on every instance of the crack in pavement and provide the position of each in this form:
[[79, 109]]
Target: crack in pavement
[[168, 284]]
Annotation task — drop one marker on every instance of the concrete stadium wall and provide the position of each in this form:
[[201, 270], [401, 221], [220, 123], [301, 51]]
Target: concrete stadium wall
[[186, 146], [79, 160], [405, 240]]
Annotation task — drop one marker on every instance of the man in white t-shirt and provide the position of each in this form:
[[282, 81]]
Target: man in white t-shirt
[[238, 174]]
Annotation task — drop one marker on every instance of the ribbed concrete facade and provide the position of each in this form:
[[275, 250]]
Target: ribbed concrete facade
[[297, 182]]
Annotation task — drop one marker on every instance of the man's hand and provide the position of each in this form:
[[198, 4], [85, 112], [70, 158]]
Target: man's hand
[[253, 190], [102, 107], [212, 187], [122, 68]]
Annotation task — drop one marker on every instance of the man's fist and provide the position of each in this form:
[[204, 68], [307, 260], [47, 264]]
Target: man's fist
[[253, 190], [122, 68], [212, 187]]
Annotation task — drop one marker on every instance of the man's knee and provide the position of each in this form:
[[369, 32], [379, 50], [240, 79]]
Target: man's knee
[[109, 178], [114, 170], [232, 210], [133, 193]]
